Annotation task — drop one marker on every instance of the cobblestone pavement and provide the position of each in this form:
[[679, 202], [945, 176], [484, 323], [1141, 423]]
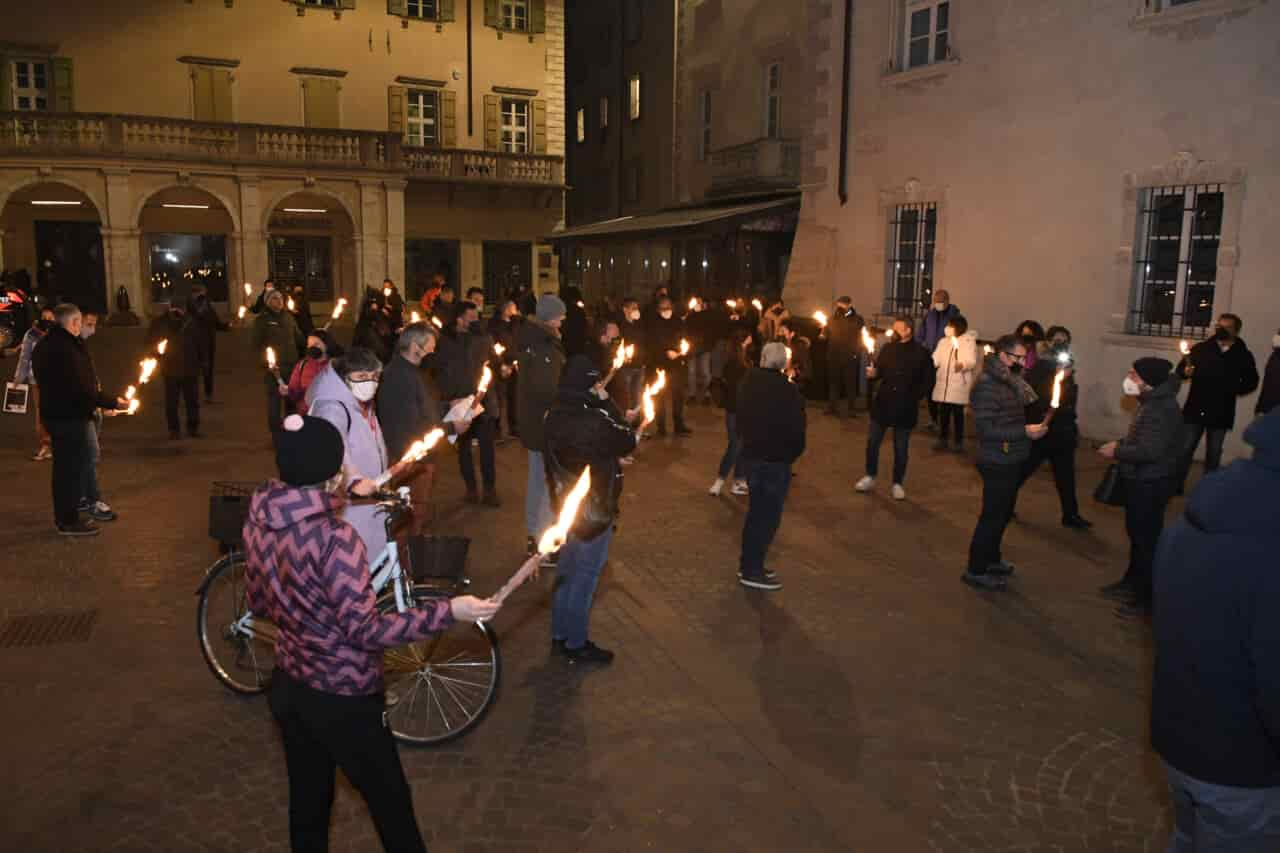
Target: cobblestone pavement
[[875, 704]]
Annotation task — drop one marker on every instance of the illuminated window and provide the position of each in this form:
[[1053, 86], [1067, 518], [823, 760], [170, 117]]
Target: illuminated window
[[515, 126], [422, 117], [634, 97]]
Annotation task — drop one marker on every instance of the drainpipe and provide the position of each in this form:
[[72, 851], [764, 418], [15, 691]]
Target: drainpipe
[[846, 86], [470, 87]]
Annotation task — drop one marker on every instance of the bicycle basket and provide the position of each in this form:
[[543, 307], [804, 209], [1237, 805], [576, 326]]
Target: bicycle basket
[[437, 558], [228, 509]]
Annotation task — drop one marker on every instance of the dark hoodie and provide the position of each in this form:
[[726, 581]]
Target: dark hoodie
[[1152, 448], [1215, 705], [308, 573], [540, 356], [584, 430]]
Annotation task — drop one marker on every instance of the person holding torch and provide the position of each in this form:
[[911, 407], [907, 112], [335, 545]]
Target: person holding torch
[[584, 429], [1054, 377], [180, 345], [668, 348], [465, 351], [274, 327]]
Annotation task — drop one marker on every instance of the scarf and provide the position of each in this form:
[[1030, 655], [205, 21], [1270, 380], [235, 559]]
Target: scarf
[[1001, 372]]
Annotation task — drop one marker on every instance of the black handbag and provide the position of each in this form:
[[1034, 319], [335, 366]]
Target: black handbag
[[1111, 490]]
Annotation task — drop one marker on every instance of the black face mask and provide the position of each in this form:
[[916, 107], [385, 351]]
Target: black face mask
[[1015, 368], [44, 325], [475, 327], [315, 352], [1221, 334], [1029, 341]]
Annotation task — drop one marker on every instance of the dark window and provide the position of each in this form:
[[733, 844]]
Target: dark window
[[423, 259], [633, 21], [179, 261], [507, 268], [304, 261], [1176, 268], [913, 231]]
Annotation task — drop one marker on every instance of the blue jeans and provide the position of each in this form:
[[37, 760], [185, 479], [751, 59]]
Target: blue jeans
[[537, 503], [632, 381], [901, 449], [89, 490], [1220, 819], [1214, 439], [579, 567], [768, 482], [729, 461], [700, 375]]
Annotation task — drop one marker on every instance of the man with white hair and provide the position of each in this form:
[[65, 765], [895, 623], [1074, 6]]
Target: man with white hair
[[771, 426]]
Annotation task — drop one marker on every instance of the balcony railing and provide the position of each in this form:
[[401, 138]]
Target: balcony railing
[[760, 165], [152, 138]]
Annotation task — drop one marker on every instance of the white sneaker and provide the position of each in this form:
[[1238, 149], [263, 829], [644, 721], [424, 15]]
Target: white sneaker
[[739, 488], [628, 460], [866, 484], [899, 493], [716, 487]]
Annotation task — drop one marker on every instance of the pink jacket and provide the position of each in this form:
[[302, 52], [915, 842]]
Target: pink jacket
[[304, 373]]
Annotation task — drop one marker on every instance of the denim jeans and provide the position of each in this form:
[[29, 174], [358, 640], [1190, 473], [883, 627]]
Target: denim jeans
[[89, 490], [700, 375], [729, 462], [1144, 508], [901, 450], [482, 430], [1214, 439], [631, 379], [578, 568], [768, 483], [1212, 818], [537, 502]]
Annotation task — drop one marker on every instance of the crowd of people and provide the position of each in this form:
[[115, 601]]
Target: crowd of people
[[544, 370]]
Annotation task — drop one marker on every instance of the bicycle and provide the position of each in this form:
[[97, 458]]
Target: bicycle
[[438, 688]]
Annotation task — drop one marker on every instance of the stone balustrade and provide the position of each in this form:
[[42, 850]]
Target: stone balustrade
[[762, 164]]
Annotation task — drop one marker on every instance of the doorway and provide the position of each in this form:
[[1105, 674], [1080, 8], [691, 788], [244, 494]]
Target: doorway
[[305, 261], [507, 268], [70, 264]]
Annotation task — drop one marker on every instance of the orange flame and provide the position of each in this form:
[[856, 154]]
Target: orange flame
[[650, 411], [240, 312], [485, 378], [684, 347], [271, 358], [148, 366], [821, 317], [420, 448], [1057, 388], [162, 346], [620, 357], [868, 341], [558, 534]]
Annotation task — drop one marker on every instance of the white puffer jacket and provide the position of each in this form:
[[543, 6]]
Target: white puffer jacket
[[951, 386]]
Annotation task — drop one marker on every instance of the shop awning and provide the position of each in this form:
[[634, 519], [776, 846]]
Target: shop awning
[[669, 220]]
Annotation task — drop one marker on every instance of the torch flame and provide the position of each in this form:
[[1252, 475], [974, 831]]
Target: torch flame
[[162, 346], [888, 334], [435, 321], [732, 303], [386, 291], [271, 358], [631, 351], [148, 366], [290, 304], [821, 317], [485, 378], [420, 448], [868, 341], [684, 347], [758, 305], [133, 406], [338, 309], [955, 343], [987, 350], [620, 357], [248, 289], [1057, 388], [414, 317], [557, 534], [131, 392], [693, 304], [499, 349], [1184, 347], [650, 411], [240, 312]]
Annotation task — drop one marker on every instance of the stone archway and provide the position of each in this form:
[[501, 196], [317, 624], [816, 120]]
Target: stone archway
[[52, 229], [186, 235], [312, 243]]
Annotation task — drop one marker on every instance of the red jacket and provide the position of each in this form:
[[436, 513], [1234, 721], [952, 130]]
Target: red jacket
[[304, 373]]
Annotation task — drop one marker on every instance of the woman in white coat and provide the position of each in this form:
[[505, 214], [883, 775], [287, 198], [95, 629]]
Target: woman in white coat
[[956, 361]]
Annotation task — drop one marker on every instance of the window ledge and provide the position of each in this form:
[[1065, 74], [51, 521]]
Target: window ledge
[[932, 71], [1147, 343], [1192, 12]]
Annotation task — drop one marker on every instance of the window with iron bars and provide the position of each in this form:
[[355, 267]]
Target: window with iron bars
[[1176, 270], [913, 231]]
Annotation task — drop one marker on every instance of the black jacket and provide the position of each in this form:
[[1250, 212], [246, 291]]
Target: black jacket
[[663, 335], [460, 364], [1215, 703], [844, 335], [582, 430], [999, 416], [408, 407], [770, 417], [734, 371], [1218, 379], [1063, 429], [573, 328], [68, 383], [206, 317], [1153, 446], [1270, 396], [634, 334], [187, 352], [905, 372], [541, 359]]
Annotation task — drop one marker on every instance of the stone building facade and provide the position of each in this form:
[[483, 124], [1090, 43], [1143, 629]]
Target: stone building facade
[[327, 142]]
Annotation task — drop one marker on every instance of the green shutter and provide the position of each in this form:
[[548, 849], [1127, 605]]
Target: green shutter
[[63, 85], [397, 7], [492, 18], [539, 127], [492, 122], [347, 4], [446, 11], [537, 16], [320, 95], [221, 88], [202, 108], [449, 119], [6, 99], [396, 96]]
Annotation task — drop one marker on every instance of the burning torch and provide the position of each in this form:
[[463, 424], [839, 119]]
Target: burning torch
[[553, 538], [646, 399], [416, 451]]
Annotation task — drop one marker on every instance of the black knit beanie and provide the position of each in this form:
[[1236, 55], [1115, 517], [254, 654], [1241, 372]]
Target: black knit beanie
[[309, 450], [1153, 371]]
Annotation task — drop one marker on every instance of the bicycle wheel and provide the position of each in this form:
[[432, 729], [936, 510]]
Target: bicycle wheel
[[240, 653], [441, 687]]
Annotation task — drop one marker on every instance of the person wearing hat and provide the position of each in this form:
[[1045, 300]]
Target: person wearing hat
[[308, 572], [584, 429], [540, 359], [1215, 698], [843, 334], [1148, 459]]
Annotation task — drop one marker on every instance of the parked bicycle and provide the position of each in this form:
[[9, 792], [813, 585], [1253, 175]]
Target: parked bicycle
[[437, 689]]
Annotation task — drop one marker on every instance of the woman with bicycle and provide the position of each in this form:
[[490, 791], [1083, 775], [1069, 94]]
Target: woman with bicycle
[[308, 571]]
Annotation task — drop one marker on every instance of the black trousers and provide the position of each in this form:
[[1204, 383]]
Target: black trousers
[[950, 414], [672, 398], [208, 370], [323, 732], [482, 430], [187, 388], [1063, 461], [901, 450], [510, 387], [769, 483], [1000, 484], [1145, 504], [842, 380], [70, 439], [277, 406]]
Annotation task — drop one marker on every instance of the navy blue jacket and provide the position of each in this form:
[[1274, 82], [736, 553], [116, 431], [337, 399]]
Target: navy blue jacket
[[1215, 705]]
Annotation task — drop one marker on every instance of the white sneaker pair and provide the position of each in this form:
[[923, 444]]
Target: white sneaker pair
[[716, 487], [740, 488], [868, 483]]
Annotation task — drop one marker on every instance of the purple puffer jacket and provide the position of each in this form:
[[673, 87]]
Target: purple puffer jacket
[[308, 573]]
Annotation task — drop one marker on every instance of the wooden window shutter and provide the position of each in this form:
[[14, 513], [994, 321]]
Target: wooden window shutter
[[447, 12], [492, 17], [321, 99], [397, 7], [397, 97], [537, 16], [492, 122], [449, 119], [539, 127], [202, 94], [220, 88], [63, 85], [347, 4]]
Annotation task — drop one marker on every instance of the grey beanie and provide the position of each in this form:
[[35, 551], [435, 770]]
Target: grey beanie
[[550, 307]]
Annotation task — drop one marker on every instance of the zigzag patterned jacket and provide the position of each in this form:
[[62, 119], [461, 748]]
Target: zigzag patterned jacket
[[308, 572]]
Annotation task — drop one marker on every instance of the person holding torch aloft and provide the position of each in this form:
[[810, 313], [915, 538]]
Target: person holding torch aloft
[[274, 328]]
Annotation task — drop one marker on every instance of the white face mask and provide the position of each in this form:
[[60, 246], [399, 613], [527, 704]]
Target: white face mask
[[1131, 388], [364, 391], [634, 316], [939, 306], [951, 333], [1275, 341], [86, 332], [666, 315]]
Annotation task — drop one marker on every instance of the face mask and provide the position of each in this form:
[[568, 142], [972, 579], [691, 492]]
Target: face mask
[[950, 333], [1275, 341], [1221, 334], [315, 352], [364, 391], [45, 325], [475, 327], [666, 315], [86, 332], [1131, 388], [939, 306], [1015, 368]]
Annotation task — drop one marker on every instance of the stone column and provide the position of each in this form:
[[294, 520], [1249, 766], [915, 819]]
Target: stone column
[[252, 238], [120, 243], [371, 234], [395, 233]]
